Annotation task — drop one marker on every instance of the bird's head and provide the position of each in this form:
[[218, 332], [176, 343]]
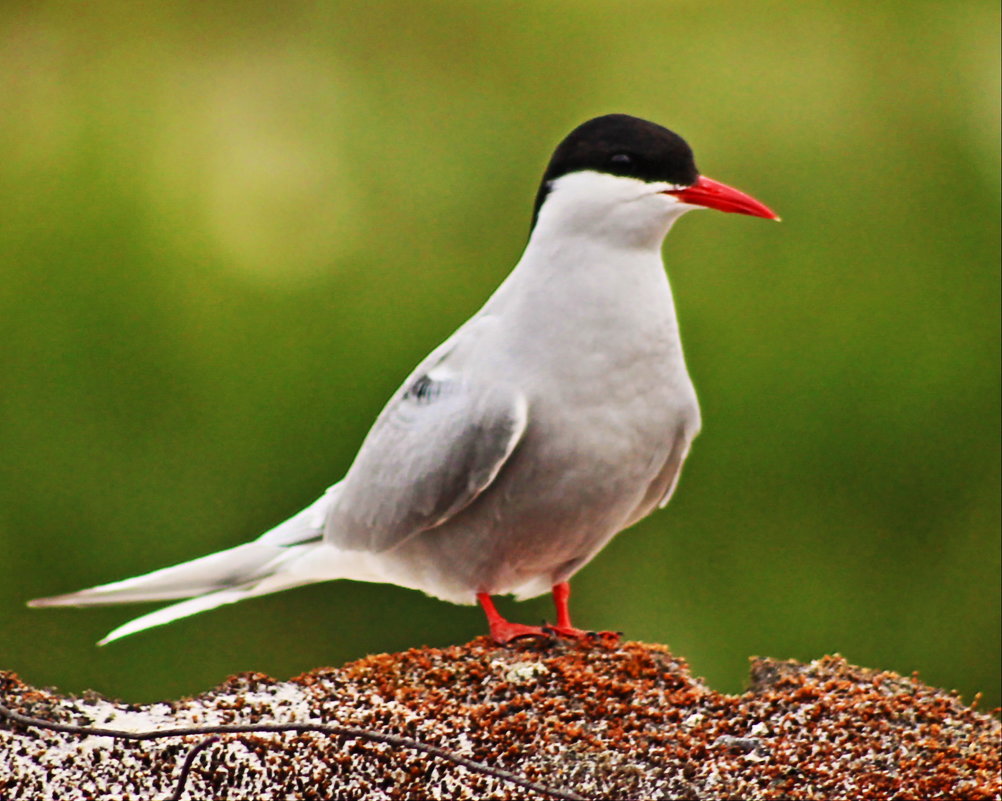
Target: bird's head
[[626, 180]]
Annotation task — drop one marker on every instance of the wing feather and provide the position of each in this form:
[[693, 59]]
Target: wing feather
[[438, 444]]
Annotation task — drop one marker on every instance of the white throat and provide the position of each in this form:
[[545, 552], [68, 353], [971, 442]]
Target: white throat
[[608, 211]]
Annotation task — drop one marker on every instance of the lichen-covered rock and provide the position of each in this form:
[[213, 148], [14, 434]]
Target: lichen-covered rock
[[605, 722]]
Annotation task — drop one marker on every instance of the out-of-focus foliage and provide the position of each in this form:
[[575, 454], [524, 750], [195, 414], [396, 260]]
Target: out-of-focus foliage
[[228, 230]]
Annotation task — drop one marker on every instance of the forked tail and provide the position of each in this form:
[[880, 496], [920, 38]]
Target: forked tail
[[289, 555]]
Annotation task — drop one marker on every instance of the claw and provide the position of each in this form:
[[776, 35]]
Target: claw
[[580, 635]]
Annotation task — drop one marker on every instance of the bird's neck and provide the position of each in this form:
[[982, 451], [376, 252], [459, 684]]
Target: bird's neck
[[590, 285]]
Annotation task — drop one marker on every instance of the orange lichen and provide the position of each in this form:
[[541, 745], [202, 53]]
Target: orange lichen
[[604, 721]]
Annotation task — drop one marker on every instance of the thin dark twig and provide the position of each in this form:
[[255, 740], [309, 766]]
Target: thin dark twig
[[344, 732], [189, 762]]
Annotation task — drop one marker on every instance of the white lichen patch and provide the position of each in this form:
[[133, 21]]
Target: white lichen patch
[[524, 672]]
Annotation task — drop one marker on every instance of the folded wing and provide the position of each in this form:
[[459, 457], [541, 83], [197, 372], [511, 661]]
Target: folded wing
[[437, 445]]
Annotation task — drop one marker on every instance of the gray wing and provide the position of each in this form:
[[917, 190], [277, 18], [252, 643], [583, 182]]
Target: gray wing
[[438, 444]]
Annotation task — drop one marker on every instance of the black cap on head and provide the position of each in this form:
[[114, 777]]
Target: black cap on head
[[619, 144]]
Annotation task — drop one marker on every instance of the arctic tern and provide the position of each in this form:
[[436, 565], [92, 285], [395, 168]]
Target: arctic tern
[[557, 416]]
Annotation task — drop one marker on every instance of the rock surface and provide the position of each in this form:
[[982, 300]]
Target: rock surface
[[599, 722]]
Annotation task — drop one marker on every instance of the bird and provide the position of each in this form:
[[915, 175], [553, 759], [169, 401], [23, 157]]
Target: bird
[[557, 416]]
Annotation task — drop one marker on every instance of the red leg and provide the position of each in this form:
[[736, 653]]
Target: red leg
[[503, 631], [561, 595]]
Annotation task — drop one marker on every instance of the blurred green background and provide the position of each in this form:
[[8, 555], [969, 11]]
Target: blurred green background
[[229, 230]]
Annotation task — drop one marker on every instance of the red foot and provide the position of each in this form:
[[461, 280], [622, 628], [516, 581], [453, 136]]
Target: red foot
[[504, 632], [570, 633], [561, 599]]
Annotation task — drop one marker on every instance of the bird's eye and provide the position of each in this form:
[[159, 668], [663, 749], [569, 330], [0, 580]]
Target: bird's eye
[[622, 160]]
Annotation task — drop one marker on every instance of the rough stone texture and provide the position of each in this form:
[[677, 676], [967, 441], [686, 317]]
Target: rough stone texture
[[609, 722]]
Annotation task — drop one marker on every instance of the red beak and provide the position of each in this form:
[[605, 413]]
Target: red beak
[[715, 195]]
